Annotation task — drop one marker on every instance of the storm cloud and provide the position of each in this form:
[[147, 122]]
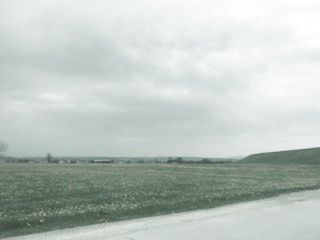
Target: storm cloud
[[142, 78]]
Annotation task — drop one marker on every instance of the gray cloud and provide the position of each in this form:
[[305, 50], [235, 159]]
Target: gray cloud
[[148, 78]]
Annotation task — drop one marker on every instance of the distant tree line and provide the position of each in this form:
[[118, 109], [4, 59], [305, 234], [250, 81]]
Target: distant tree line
[[51, 159], [180, 160]]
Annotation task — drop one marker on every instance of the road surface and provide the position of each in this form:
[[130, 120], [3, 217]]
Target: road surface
[[293, 216]]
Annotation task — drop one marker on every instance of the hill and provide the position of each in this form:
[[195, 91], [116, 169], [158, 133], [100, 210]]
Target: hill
[[300, 156]]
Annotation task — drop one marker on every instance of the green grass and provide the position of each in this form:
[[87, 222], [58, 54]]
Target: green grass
[[41, 197], [300, 156]]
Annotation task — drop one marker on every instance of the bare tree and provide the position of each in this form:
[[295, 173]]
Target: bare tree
[[3, 147]]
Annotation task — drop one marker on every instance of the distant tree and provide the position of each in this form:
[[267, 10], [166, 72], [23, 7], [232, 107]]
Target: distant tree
[[179, 160], [170, 160], [206, 160], [157, 160], [49, 158], [3, 147]]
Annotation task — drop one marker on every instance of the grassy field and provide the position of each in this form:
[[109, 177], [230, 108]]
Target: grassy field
[[40, 197], [298, 156]]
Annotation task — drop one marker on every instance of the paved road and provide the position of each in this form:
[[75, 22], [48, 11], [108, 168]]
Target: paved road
[[288, 217]]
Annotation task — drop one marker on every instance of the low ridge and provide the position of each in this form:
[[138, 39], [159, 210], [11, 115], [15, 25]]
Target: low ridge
[[300, 156]]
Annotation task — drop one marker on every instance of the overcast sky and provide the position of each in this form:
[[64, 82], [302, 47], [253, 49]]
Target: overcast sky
[[169, 77]]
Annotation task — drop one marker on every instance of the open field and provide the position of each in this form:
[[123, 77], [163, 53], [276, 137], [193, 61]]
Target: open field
[[40, 197], [292, 216]]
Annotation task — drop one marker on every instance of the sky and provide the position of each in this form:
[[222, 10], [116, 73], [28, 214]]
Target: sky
[[214, 78]]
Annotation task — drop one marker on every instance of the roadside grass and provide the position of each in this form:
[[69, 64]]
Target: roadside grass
[[42, 197]]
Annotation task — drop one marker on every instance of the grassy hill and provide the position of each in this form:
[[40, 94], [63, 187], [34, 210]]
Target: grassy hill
[[300, 156]]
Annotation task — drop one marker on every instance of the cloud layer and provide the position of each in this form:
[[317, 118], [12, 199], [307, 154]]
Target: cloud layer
[[209, 78]]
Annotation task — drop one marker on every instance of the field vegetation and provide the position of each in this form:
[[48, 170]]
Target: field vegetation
[[41, 197], [299, 156]]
